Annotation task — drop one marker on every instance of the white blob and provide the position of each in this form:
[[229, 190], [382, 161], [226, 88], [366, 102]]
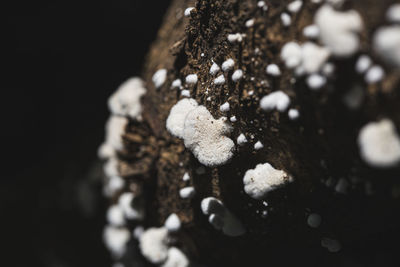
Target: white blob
[[130, 207], [249, 23], [115, 216], [363, 63], [228, 64], [331, 244], [315, 81], [187, 11], [379, 144], [286, 19], [313, 57], [241, 140], [393, 13], [263, 179], [115, 128], [236, 37], [386, 43], [185, 93], [186, 177], [314, 220], [173, 223], [115, 239], [224, 107], [293, 114], [176, 258], [233, 119], [291, 54], [273, 70], [176, 84], [237, 75], [276, 100], [159, 77], [219, 80], [187, 192], [258, 145], [374, 74], [295, 6], [342, 186], [214, 68], [153, 244], [176, 119], [191, 79], [311, 31]]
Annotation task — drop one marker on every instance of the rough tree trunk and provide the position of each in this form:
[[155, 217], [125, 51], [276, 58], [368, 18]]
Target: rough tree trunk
[[318, 147]]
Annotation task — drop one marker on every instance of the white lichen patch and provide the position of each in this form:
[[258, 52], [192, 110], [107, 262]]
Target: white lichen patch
[[379, 144], [153, 244], [185, 93], [249, 23], [233, 119], [159, 77], [186, 177], [176, 258], [173, 223], [315, 81], [115, 239], [235, 37], [311, 31], [313, 57], [339, 30], [176, 84], [276, 100], [176, 119], [221, 218], [293, 114], [386, 43], [263, 179], [126, 100], [291, 54]]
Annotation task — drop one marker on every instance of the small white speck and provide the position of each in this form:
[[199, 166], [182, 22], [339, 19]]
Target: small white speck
[[241, 140], [363, 63], [293, 114], [236, 37], [316, 81], [159, 77], [273, 70], [228, 64], [208, 98], [233, 119], [328, 69], [186, 177], [202, 55], [176, 84], [249, 23], [185, 93], [250, 93], [219, 80], [191, 79], [261, 4], [341, 186], [172, 223], [314, 220], [258, 145], [187, 192], [187, 11], [295, 6], [214, 68], [374, 74], [311, 31], [224, 107], [275, 100], [286, 19], [237, 75]]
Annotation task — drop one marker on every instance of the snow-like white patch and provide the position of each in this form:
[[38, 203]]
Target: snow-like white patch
[[173, 223], [191, 79], [176, 258], [228, 64], [187, 192], [159, 77], [263, 179], [286, 19], [295, 6], [363, 63], [241, 140], [153, 244], [219, 80], [275, 100], [126, 100], [221, 218], [187, 11], [237, 75], [386, 43], [115, 239], [177, 115], [214, 68], [314, 220], [374, 74], [379, 144], [225, 107], [339, 30], [112, 185]]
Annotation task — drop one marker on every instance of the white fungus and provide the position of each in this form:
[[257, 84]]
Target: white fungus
[[221, 218], [295, 6], [225, 107], [249, 23], [115, 127], [379, 144], [214, 68], [313, 57], [173, 223], [115, 216], [191, 79], [176, 84], [374, 74], [187, 192], [153, 244], [115, 239], [331, 244], [176, 258], [228, 65], [291, 54], [126, 100], [261, 4], [314, 220], [186, 177], [235, 37], [393, 13], [219, 80], [275, 100], [110, 168], [233, 119], [286, 19], [311, 31], [363, 63], [185, 93], [241, 140], [130, 207], [273, 70], [159, 77], [328, 69], [293, 114], [176, 119], [237, 75], [386, 43], [263, 179], [339, 30], [258, 145], [187, 11], [112, 185], [315, 81], [138, 231]]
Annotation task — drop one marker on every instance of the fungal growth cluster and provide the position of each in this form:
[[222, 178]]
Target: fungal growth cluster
[[262, 120]]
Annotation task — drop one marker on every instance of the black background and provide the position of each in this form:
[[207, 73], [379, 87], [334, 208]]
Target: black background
[[61, 60]]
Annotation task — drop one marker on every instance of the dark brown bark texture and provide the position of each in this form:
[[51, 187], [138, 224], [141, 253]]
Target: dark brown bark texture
[[320, 145]]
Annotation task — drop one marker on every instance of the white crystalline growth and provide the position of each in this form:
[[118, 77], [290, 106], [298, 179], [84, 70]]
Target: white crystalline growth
[[221, 218], [115, 127], [275, 100], [153, 244], [379, 144], [386, 43], [116, 239], [202, 134], [130, 206], [126, 100], [263, 179], [177, 115], [176, 258], [159, 77], [339, 30]]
